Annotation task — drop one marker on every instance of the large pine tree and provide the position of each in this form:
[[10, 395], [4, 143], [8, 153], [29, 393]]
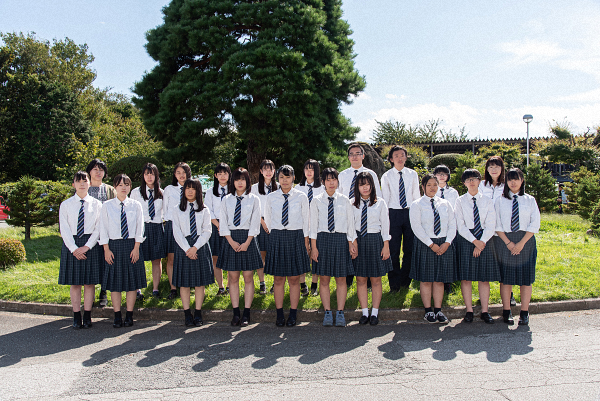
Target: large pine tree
[[277, 70]]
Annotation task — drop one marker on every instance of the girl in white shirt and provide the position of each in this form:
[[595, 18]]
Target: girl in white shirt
[[493, 185], [240, 224], [445, 191], [372, 225], [79, 218], [193, 266]]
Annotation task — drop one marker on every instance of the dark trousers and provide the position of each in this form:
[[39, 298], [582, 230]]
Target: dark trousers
[[402, 234]]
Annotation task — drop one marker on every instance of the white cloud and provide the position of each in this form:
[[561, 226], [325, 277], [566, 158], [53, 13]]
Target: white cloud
[[361, 96], [391, 97], [531, 51]]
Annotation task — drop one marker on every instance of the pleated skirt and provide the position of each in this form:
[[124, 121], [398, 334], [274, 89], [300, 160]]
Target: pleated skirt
[[81, 272], [231, 260], [154, 244], [193, 273], [215, 241], [334, 256], [170, 243], [368, 263], [123, 275], [263, 239], [428, 267], [482, 268], [518, 269], [286, 254]]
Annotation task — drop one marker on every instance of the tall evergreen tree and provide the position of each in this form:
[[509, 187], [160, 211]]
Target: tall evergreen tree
[[278, 71]]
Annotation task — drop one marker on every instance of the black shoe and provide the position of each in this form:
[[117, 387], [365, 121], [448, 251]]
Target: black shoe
[[128, 322], [315, 292], [189, 320], [235, 321], [221, 292], [509, 319], [280, 322], [118, 323], [262, 289], [304, 291], [198, 320], [139, 296], [245, 321], [272, 290], [363, 319], [513, 301], [469, 317], [77, 324], [156, 294], [374, 321], [486, 317], [172, 295], [102, 299], [87, 324], [524, 320], [290, 322]]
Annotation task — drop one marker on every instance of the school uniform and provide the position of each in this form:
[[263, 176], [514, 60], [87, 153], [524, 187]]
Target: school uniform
[[399, 196], [240, 218], [263, 237], [476, 219], [332, 226], [310, 191], [192, 229], [448, 193], [79, 222], [121, 226], [103, 193], [426, 265], [214, 205], [287, 217], [154, 244], [516, 217], [490, 191], [172, 196], [372, 227], [347, 179]]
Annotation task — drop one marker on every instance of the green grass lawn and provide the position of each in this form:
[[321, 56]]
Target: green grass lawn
[[568, 268]]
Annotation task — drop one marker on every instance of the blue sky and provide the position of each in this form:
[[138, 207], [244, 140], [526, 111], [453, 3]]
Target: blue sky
[[478, 64]]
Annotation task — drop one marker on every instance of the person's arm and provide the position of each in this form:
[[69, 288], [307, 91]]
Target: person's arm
[[105, 235], [489, 226], [415, 186], [256, 218], [461, 225], [178, 234], [267, 214], [206, 230], [377, 185], [314, 219], [224, 218], [385, 189], [95, 236], [415, 223], [65, 229]]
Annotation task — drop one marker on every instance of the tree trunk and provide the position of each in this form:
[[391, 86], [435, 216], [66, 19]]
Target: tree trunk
[[253, 159], [27, 230]]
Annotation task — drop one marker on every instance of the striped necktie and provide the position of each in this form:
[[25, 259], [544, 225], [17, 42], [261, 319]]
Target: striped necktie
[[151, 210], [268, 189], [330, 215], [514, 218], [402, 192], [237, 216], [476, 220], [193, 228], [222, 193], [437, 224], [180, 194], [352, 185], [443, 193], [310, 194], [284, 211], [363, 218], [124, 229], [81, 221]]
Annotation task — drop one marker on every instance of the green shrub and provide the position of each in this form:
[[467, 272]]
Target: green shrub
[[449, 159], [465, 161], [540, 184], [417, 157], [587, 191], [595, 219], [132, 166], [12, 252], [511, 154]]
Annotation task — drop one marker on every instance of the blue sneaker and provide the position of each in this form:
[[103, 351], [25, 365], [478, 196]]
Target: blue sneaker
[[328, 319], [340, 320]]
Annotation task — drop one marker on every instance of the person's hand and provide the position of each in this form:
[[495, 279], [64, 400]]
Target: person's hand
[[510, 246], [109, 256], [479, 244], [79, 253], [435, 248], [385, 252], [264, 225], [243, 247], [476, 252], [517, 248], [443, 248], [235, 245], [135, 255], [353, 250], [192, 253], [314, 254]]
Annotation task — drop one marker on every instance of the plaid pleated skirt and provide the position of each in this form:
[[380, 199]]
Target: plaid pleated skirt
[[123, 275], [286, 254], [518, 269], [263, 239], [193, 273], [231, 260], [215, 241], [154, 244], [368, 263], [334, 256], [428, 267], [81, 272], [482, 268], [170, 244]]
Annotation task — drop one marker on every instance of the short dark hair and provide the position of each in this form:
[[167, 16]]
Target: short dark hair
[[186, 168], [329, 172], [192, 183], [81, 176], [393, 149], [261, 178], [99, 163], [496, 161], [286, 170], [442, 168], [157, 191], [313, 165], [221, 168], [426, 179], [121, 178], [362, 179], [240, 173], [470, 173], [356, 145], [514, 174]]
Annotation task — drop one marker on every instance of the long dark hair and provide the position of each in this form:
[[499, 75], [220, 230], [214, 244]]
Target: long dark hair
[[514, 174], [192, 183], [157, 191], [496, 161], [240, 173], [186, 168], [313, 165], [221, 168], [362, 179], [426, 179], [261, 178]]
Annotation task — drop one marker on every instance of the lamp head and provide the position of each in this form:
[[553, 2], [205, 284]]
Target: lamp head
[[527, 118]]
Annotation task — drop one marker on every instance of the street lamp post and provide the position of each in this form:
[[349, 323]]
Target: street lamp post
[[527, 118]]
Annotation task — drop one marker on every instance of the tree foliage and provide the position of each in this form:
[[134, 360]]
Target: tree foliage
[[540, 184], [396, 132], [465, 161], [511, 154]]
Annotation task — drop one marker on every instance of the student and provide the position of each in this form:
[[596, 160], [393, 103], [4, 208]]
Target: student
[[445, 191], [311, 186], [372, 225], [517, 222], [222, 179], [150, 197], [433, 258], [80, 257], [332, 235], [121, 233], [476, 225], [265, 185], [172, 197], [193, 265], [400, 187], [347, 179], [287, 219], [240, 224], [97, 170]]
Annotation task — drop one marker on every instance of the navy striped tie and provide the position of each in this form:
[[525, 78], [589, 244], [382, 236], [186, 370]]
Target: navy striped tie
[[151, 210], [476, 220], [268, 189], [193, 229], [310, 194], [514, 219], [222, 193], [330, 216], [180, 194], [81, 221], [443, 193], [352, 185], [124, 229], [237, 216], [437, 224], [402, 192], [284, 211], [363, 218]]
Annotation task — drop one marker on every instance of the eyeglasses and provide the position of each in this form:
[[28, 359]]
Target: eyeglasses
[[355, 154], [470, 180]]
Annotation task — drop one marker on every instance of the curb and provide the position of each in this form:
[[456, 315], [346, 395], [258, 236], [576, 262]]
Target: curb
[[268, 316]]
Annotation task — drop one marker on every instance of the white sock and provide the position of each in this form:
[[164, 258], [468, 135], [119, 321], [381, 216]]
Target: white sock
[[374, 312], [366, 312]]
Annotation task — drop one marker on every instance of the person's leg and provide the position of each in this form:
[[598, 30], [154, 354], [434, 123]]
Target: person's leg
[[279, 293], [261, 273], [426, 290], [361, 291], [199, 298], [218, 273], [263, 255], [130, 300], [88, 297], [438, 294], [341, 291], [324, 292], [376, 291], [184, 292], [115, 298], [505, 291], [170, 259], [156, 273], [467, 293], [294, 283], [395, 242], [484, 295], [407, 248], [234, 288], [248, 288], [75, 292], [526, 291]]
